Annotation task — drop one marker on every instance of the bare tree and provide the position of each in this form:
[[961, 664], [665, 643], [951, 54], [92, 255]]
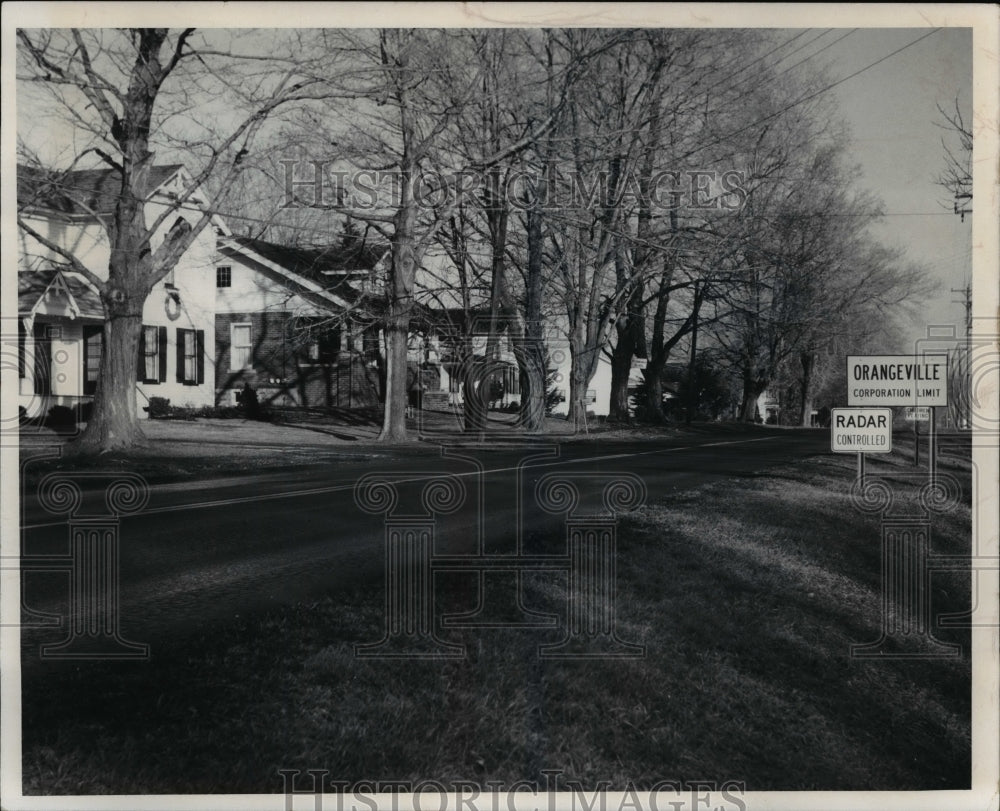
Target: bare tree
[[604, 136], [394, 112], [509, 130], [807, 267], [123, 91], [686, 94], [494, 123], [956, 177]]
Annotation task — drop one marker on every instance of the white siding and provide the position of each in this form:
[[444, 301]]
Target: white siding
[[252, 290], [191, 305]]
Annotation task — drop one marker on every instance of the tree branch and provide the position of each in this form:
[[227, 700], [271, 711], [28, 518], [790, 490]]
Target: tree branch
[[95, 90], [74, 263]]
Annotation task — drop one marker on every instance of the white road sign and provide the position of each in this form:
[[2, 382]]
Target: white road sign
[[860, 430], [917, 414], [897, 380]]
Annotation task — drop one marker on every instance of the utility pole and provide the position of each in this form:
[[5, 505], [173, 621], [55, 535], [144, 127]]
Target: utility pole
[[966, 292], [964, 357], [962, 206]]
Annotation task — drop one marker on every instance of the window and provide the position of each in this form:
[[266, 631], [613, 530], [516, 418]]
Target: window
[[92, 340], [190, 357], [325, 345], [224, 276], [512, 380], [43, 334], [241, 346], [153, 354], [22, 340]]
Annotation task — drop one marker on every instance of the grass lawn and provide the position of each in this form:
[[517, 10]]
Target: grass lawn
[[176, 450], [746, 593]]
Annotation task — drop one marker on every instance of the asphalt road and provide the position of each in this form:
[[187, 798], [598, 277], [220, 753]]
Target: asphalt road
[[204, 552]]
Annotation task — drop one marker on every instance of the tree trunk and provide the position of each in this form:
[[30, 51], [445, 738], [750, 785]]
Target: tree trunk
[[658, 350], [496, 217], [578, 382], [654, 391], [630, 343], [621, 366], [114, 419], [474, 393], [752, 389], [532, 359], [532, 371], [582, 368], [398, 325], [394, 414], [632, 328], [125, 119], [403, 269], [692, 403], [653, 377], [808, 361], [532, 362], [626, 343]]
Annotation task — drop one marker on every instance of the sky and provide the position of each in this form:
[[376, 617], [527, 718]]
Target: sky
[[891, 108], [892, 111]]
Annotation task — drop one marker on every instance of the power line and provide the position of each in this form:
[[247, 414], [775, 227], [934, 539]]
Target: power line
[[761, 58], [808, 97], [770, 77], [786, 108], [817, 53], [245, 218], [916, 214], [802, 47]]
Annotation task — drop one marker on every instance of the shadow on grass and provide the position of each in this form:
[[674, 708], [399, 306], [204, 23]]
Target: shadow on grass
[[747, 611], [321, 430]]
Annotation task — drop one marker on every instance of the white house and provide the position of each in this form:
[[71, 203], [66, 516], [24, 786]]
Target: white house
[[61, 315], [598, 397], [436, 343], [295, 323]]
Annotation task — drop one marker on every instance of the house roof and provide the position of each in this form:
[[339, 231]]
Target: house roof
[[452, 320], [32, 286], [80, 192], [297, 272], [316, 261]]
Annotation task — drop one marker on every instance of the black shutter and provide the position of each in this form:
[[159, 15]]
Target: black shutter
[[90, 333], [43, 359], [141, 370], [162, 346], [180, 355], [22, 339], [200, 349]]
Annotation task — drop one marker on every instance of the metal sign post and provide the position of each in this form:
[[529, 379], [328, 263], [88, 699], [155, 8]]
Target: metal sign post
[[916, 414], [932, 450], [861, 430], [920, 383]]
